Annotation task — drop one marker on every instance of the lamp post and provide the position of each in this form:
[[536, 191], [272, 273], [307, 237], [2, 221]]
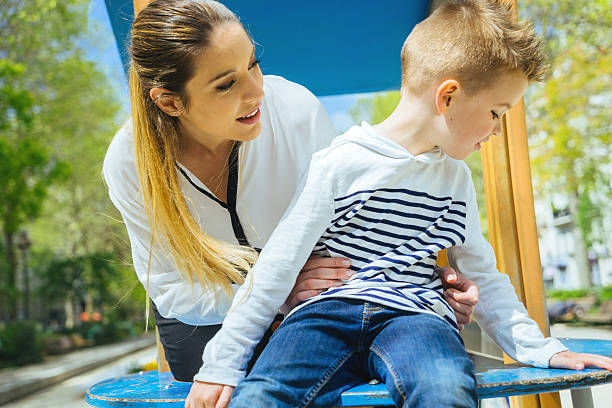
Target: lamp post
[[23, 243]]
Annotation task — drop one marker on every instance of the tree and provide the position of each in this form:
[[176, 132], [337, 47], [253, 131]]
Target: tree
[[568, 115], [27, 171], [74, 115]]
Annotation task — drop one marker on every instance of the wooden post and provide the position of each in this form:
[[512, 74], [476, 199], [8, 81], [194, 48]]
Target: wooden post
[[162, 363], [512, 225], [139, 5]]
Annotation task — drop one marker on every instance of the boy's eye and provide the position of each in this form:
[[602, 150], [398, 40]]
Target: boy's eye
[[255, 63], [495, 115], [226, 86]]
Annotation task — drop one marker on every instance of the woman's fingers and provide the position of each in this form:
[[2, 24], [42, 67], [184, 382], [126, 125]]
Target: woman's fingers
[[316, 262], [324, 273], [208, 395], [463, 313], [295, 298], [310, 284], [318, 275], [224, 398]]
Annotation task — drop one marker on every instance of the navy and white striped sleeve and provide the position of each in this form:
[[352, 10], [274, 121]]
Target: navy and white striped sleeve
[[499, 311], [271, 279]]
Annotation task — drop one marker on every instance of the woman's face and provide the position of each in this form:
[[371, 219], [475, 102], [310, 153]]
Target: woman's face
[[226, 91]]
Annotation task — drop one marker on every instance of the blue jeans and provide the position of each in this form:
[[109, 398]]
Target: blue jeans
[[332, 345]]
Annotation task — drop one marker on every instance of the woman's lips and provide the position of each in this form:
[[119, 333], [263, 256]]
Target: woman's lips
[[250, 118]]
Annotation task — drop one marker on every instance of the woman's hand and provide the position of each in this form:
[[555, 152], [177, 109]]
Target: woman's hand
[[460, 293], [318, 275], [208, 395], [579, 361]]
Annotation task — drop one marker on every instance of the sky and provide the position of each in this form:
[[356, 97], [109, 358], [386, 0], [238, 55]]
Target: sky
[[107, 55]]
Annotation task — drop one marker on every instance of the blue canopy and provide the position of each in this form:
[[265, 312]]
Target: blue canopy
[[330, 46]]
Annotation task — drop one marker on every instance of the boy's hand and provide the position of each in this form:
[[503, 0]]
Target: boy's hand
[[208, 395], [579, 361], [460, 293], [318, 275]]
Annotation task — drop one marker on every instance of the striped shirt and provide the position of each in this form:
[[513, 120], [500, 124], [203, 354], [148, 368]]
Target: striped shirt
[[368, 199]]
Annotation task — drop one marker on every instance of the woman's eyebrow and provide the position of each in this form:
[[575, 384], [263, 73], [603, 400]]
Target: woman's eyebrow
[[221, 75], [229, 71]]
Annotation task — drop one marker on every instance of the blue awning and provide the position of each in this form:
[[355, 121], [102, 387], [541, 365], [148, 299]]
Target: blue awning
[[330, 46]]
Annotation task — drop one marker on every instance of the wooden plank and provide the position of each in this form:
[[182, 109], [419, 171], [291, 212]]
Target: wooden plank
[[493, 378]]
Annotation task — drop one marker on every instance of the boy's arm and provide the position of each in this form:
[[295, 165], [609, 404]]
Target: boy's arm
[[499, 312], [270, 281]]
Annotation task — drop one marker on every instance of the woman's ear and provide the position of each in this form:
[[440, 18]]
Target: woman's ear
[[167, 102], [445, 94]]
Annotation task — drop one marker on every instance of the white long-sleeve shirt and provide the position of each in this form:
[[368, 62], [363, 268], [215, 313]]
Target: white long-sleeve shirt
[[389, 212], [294, 126]]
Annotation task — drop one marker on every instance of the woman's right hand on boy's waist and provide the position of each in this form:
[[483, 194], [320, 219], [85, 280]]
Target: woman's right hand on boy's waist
[[317, 275]]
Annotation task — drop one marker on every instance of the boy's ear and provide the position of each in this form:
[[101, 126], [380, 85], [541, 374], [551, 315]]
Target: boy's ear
[[445, 94], [166, 101]]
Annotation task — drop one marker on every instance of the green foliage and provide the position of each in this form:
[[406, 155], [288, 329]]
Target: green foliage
[[569, 115], [567, 294], [375, 109], [19, 344], [605, 293], [75, 276]]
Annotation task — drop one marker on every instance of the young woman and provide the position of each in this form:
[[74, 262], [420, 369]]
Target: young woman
[[206, 168]]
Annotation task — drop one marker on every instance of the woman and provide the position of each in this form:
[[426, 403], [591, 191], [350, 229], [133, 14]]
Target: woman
[[211, 166]]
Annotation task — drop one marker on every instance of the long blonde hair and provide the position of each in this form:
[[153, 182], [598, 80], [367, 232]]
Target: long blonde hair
[[166, 37]]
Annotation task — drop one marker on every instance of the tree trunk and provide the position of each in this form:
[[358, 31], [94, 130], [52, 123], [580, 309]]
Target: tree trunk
[[581, 255], [69, 311], [11, 258]]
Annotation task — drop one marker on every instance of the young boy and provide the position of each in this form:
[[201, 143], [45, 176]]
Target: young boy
[[389, 197]]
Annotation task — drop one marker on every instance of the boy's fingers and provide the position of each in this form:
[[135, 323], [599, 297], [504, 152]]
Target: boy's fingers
[[594, 360], [579, 361]]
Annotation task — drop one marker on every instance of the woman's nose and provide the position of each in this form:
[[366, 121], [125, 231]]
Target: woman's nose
[[497, 128], [254, 90]]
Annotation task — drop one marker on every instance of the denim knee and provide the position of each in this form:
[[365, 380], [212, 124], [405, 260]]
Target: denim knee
[[447, 384]]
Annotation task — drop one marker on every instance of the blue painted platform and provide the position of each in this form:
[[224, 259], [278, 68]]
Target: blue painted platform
[[494, 379]]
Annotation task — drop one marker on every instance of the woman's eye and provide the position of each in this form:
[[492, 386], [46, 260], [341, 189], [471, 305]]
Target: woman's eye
[[226, 86], [495, 115], [254, 64]]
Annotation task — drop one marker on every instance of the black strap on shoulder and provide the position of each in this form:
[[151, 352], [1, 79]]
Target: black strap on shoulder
[[232, 190]]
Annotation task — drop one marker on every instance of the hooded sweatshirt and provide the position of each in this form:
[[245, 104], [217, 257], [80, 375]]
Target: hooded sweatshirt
[[370, 200]]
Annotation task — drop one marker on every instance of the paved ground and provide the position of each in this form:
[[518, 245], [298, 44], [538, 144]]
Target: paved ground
[[69, 393], [20, 382]]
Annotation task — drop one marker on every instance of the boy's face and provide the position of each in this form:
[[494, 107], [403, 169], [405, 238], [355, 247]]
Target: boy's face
[[472, 119]]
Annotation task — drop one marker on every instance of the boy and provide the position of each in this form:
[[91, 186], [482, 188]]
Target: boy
[[389, 197]]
